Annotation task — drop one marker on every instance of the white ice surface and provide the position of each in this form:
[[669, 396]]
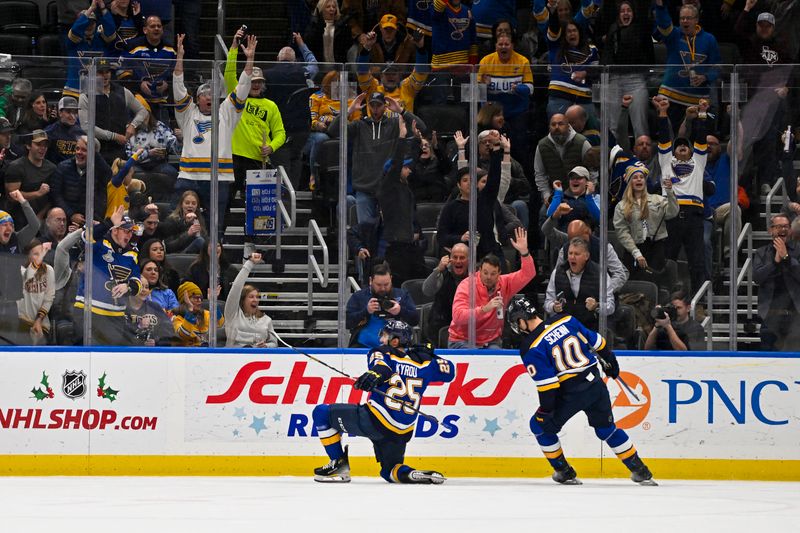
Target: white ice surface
[[292, 504]]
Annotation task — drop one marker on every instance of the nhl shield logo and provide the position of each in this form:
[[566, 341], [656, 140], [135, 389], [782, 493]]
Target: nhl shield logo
[[73, 384]]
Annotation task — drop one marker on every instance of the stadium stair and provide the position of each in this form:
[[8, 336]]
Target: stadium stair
[[285, 295]]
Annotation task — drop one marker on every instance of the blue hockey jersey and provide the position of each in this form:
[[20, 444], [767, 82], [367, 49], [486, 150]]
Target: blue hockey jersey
[[558, 350], [144, 62], [419, 16], [81, 50], [109, 267], [411, 375]]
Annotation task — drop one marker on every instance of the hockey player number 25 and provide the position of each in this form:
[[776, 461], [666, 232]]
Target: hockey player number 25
[[569, 354], [399, 390]]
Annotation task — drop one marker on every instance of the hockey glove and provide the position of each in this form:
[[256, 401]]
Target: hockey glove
[[609, 362], [368, 380], [545, 421]]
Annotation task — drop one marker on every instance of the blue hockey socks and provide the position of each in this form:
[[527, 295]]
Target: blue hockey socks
[[620, 444], [550, 445], [330, 438]]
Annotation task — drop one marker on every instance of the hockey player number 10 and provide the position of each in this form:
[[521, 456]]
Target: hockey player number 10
[[569, 354], [401, 389]]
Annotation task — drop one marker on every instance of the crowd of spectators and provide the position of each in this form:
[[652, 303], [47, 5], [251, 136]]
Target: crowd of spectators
[[538, 148]]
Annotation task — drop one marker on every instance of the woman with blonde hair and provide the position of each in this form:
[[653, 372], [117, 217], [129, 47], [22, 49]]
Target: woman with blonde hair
[[245, 324], [491, 117], [328, 34], [640, 220], [185, 226]]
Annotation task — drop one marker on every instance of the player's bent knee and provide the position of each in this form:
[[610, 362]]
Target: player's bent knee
[[606, 432], [321, 415]]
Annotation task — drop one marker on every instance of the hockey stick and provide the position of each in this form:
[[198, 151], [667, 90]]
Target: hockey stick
[[619, 380], [345, 374], [627, 388]]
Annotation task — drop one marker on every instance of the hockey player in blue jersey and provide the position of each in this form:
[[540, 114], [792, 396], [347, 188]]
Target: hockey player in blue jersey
[[562, 355], [401, 374]]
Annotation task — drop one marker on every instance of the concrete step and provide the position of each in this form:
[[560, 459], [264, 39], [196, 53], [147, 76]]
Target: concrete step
[[272, 296], [290, 280], [299, 210], [318, 307], [315, 335], [300, 324]]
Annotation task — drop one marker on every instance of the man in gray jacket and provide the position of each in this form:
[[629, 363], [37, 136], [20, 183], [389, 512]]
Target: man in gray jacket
[[373, 139], [617, 272]]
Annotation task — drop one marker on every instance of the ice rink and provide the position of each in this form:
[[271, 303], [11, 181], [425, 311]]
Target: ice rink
[[228, 504]]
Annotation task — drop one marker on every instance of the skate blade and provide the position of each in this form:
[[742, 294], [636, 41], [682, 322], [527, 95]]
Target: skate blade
[[425, 478], [647, 483], [333, 479], [575, 481], [437, 479]]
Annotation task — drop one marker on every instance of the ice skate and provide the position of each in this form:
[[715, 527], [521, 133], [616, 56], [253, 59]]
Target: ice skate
[[429, 477], [566, 476], [643, 476], [337, 471]]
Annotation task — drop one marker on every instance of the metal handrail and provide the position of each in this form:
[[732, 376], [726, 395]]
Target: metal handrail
[[779, 184], [290, 219], [706, 289], [314, 231], [221, 21], [747, 266], [221, 44], [353, 284]]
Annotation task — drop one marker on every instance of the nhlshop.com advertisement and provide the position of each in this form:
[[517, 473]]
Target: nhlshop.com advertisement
[[73, 402]]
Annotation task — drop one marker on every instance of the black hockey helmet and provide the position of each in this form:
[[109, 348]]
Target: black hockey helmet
[[399, 329], [519, 308]]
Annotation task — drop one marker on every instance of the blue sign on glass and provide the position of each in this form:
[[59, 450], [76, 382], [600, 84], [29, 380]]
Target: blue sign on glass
[[261, 202]]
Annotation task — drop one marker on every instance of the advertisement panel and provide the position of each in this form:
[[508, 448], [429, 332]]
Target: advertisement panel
[[701, 412]]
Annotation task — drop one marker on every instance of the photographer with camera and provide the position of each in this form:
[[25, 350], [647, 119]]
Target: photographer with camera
[[369, 308], [674, 328]]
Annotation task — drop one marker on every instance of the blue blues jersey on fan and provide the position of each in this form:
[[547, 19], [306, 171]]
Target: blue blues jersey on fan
[[560, 349], [411, 374]]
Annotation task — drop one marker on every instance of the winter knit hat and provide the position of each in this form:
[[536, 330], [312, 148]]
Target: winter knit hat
[[5, 217], [187, 287]]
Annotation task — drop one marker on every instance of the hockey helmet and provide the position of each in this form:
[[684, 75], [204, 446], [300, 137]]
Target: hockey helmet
[[399, 329], [519, 308]]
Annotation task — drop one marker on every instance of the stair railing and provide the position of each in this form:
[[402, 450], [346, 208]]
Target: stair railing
[[746, 271], [706, 289], [221, 25], [314, 271], [290, 216], [780, 184], [220, 50], [353, 284]]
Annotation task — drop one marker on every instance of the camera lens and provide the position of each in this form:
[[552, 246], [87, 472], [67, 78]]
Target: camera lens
[[386, 304]]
